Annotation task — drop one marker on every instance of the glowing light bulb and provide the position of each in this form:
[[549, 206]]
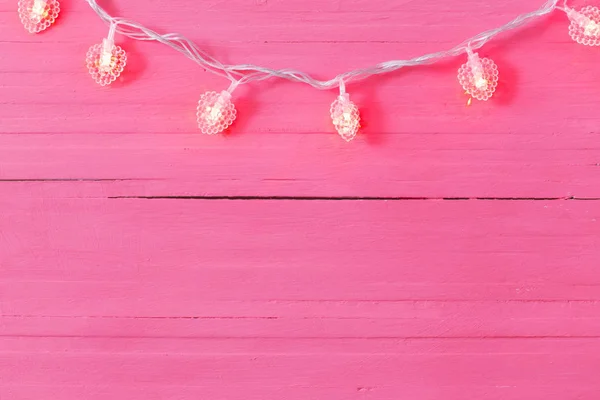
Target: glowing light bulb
[[480, 82], [592, 29], [478, 77], [38, 9], [215, 112], [585, 25], [106, 61], [38, 15], [345, 117]]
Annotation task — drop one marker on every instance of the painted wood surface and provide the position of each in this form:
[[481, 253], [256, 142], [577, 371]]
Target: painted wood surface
[[449, 252]]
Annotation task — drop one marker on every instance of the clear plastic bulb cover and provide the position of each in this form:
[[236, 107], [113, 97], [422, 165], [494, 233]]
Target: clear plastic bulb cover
[[38, 15], [215, 112], [105, 62], [345, 117], [478, 77], [585, 25]]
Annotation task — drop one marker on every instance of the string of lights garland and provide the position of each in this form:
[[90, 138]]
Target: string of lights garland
[[216, 111]]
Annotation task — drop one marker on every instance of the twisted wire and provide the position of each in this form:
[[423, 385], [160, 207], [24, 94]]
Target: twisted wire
[[246, 73]]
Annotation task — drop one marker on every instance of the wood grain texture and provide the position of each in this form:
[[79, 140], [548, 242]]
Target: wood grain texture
[[449, 252]]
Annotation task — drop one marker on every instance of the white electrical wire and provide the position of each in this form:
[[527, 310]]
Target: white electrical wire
[[245, 73]]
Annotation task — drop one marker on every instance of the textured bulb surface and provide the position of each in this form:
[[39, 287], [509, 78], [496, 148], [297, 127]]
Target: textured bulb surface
[[345, 117], [38, 15], [215, 112], [105, 62], [585, 25], [478, 77]]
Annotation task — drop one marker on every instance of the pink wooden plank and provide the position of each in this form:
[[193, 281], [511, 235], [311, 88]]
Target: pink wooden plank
[[423, 357], [207, 370], [301, 346], [478, 326], [141, 266], [434, 166], [527, 245], [234, 391]]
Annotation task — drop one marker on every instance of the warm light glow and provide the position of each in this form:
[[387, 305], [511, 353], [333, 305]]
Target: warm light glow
[[478, 77], [38, 15], [477, 68], [481, 83], [215, 112], [106, 59], [38, 10], [345, 124], [105, 62], [345, 117], [585, 25], [592, 29]]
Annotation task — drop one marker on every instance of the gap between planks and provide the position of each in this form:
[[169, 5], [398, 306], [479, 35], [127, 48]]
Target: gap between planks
[[355, 198], [298, 198]]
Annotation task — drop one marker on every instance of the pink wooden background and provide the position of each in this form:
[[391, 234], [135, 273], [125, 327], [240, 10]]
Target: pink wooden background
[[449, 253]]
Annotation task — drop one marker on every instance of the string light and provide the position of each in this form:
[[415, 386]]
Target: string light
[[478, 76], [585, 25], [38, 15], [216, 112], [106, 61], [345, 115]]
